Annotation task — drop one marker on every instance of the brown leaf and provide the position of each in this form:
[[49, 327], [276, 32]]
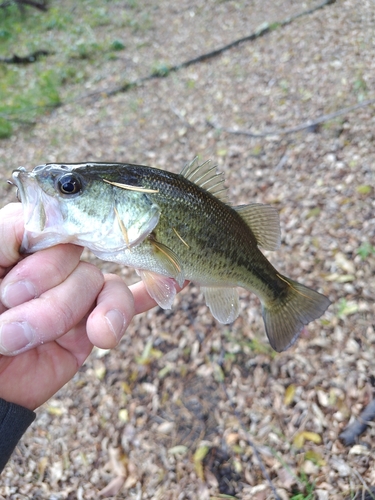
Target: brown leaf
[[113, 487]]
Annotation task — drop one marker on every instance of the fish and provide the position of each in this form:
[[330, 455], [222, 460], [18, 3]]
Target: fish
[[170, 228]]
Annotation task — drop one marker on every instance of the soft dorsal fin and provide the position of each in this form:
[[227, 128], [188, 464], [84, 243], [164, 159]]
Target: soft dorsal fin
[[206, 177], [263, 220]]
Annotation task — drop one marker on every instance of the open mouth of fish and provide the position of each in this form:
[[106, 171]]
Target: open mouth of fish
[[42, 216]]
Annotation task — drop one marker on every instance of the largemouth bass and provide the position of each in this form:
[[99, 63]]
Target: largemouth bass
[[170, 228]]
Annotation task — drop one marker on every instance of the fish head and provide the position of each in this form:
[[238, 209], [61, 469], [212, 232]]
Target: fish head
[[71, 203]]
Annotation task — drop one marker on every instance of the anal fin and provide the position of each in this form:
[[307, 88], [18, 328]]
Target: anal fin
[[160, 288], [223, 302]]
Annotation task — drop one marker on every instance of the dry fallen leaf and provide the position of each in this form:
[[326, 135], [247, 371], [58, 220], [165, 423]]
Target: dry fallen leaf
[[112, 488], [289, 394], [198, 458], [296, 73], [301, 437]]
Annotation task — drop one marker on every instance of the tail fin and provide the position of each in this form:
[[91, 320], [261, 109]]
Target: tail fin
[[285, 318]]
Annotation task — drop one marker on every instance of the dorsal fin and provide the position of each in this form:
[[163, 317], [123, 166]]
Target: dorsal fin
[[206, 177], [263, 220]]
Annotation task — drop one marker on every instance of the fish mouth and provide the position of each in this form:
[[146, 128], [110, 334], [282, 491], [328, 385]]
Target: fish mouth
[[16, 181], [42, 217], [28, 194]]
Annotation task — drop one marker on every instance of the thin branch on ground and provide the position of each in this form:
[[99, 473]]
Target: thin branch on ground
[[21, 4], [30, 58], [364, 494], [370, 491], [165, 71], [38, 5], [284, 158], [311, 124]]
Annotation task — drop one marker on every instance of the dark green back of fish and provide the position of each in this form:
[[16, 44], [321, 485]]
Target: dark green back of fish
[[212, 241]]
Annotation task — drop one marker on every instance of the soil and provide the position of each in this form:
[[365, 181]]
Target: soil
[[184, 407]]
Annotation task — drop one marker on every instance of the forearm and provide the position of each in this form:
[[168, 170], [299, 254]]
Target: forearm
[[14, 420]]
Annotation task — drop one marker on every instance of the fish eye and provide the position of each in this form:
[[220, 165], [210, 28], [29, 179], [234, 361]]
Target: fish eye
[[69, 184]]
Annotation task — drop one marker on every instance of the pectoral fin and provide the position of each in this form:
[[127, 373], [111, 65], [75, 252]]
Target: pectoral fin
[[223, 302], [169, 261], [160, 288], [135, 230]]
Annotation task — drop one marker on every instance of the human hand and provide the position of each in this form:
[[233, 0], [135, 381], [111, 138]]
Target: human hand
[[53, 309]]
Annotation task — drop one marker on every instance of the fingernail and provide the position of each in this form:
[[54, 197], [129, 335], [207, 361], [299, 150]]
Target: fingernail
[[18, 293], [116, 322], [15, 336]]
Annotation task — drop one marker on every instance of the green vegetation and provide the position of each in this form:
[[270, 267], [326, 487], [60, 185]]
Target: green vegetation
[[365, 250], [254, 345], [22, 100], [346, 308], [66, 33], [308, 493], [160, 69]]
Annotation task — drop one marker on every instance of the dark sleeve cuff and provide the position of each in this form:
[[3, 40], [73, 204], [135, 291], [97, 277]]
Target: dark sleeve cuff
[[14, 420]]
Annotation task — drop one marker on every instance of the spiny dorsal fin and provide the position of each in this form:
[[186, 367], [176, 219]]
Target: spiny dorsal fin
[[263, 220], [206, 177]]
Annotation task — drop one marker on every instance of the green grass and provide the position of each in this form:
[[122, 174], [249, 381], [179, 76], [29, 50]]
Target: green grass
[[67, 32], [308, 490], [365, 250], [22, 102]]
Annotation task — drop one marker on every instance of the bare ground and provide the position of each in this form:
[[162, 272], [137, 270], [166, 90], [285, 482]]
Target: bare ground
[[138, 418]]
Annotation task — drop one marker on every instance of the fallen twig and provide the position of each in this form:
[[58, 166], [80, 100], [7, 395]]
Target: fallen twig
[[367, 493], [166, 70], [311, 124], [21, 3], [363, 494], [30, 58]]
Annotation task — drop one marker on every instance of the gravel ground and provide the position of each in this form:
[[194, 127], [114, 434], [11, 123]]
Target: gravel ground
[[178, 409]]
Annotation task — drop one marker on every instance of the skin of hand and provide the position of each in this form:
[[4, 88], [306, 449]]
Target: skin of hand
[[53, 309]]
